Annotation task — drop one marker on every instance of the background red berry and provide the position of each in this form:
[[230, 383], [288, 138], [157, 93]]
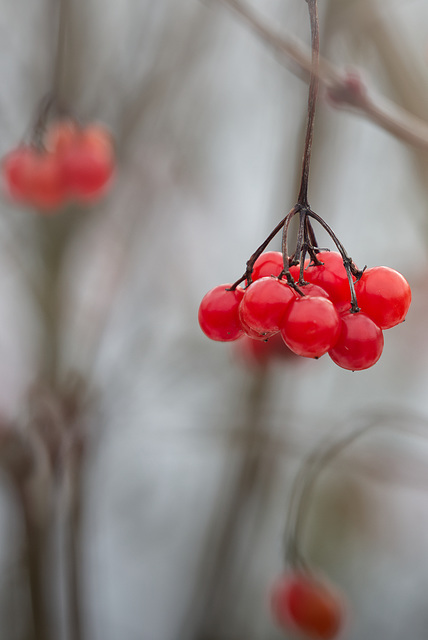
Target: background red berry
[[302, 603]]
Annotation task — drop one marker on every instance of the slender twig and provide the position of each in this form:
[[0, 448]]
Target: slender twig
[[310, 471], [346, 90]]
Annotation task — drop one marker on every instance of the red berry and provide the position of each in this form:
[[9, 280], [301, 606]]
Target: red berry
[[88, 163], [218, 313], [313, 290], [254, 334], [384, 295], [308, 606], [311, 326], [360, 342], [61, 135], [330, 276], [267, 264], [45, 187], [259, 353], [16, 166], [264, 304], [34, 177]]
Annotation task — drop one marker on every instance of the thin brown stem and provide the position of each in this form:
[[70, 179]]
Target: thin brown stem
[[312, 101]]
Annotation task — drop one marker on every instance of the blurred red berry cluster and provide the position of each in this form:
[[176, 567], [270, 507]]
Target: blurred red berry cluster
[[72, 163]]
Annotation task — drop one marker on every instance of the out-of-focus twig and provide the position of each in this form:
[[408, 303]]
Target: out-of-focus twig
[[345, 90]]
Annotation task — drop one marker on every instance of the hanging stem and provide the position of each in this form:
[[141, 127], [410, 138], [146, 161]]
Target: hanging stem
[[312, 467], [312, 100]]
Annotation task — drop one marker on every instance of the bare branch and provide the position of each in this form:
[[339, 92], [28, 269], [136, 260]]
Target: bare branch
[[343, 88]]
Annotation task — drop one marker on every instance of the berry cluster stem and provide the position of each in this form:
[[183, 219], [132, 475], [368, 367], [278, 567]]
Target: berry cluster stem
[[312, 100]]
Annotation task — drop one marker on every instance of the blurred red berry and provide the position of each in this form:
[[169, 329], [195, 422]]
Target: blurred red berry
[[88, 163], [33, 177], [308, 606], [260, 353]]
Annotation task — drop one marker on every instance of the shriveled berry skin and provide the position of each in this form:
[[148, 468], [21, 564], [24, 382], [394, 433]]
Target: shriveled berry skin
[[308, 606], [311, 326], [218, 313], [360, 342], [330, 276], [265, 303], [384, 295]]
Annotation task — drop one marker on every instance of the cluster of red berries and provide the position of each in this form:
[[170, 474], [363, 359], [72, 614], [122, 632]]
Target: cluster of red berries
[[314, 316], [71, 163], [308, 606]]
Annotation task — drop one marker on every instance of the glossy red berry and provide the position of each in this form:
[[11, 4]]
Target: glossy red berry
[[307, 606], [311, 326], [269, 263], [254, 334], [218, 313], [330, 276], [313, 290], [384, 295], [360, 342], [265, 303]]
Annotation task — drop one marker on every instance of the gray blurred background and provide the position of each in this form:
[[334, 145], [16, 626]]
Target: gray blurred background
[[191, 451]]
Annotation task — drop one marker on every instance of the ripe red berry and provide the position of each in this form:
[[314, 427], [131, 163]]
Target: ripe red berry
[[360, 342], [308, 606], [218, 313], [311, 326], [384, 295], [253, 333], [330, 276], [269, 263], [313, 290], [265, 303]]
